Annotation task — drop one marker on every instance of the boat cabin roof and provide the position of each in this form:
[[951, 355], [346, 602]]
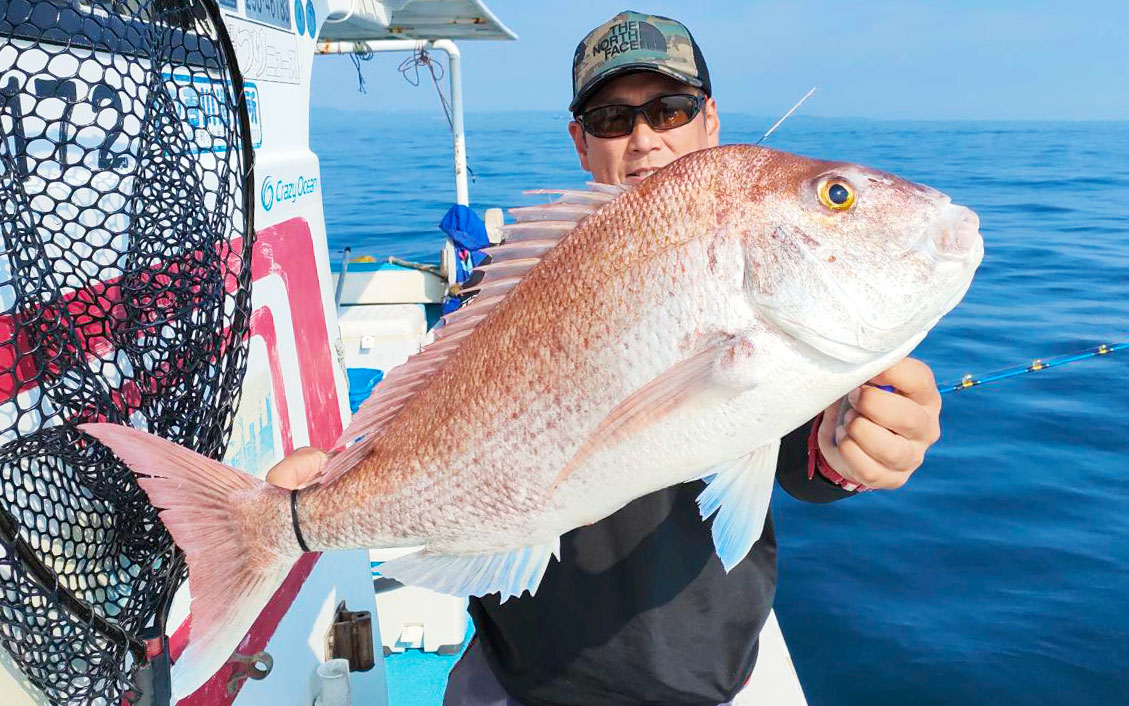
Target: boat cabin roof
[[415, 19]]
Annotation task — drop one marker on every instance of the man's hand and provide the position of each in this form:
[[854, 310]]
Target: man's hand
[[883, 438], [299, 469]]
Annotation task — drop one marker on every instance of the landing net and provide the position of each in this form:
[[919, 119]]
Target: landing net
[[124, 297]]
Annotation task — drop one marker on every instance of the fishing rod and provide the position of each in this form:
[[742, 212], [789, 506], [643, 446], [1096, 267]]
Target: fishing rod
[[970, 380], [791, 110]]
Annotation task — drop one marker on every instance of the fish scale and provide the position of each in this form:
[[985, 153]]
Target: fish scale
[[536, 319], [676, 332]]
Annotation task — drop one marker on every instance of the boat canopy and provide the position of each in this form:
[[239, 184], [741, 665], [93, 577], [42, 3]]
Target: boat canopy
[[368, 20]]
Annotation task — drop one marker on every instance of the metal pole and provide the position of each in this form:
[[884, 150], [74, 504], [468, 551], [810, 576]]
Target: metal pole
[[454, 64], [373, 45], [462, 194], [455, 72], [341, 278]]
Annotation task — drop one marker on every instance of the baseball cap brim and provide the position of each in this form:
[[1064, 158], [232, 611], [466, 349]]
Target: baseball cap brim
[[596, 82]]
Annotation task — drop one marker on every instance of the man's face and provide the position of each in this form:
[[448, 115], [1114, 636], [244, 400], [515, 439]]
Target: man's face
[[632, 158]]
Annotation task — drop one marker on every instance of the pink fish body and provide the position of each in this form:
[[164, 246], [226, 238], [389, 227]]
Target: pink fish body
[[620, 342]]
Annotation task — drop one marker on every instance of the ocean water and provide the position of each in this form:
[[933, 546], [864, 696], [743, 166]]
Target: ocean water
[[1000, 573]]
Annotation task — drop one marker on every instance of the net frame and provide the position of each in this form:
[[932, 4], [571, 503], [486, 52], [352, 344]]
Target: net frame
[[162, 345]]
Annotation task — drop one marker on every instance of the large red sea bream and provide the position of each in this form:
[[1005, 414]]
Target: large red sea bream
[[621, 341]]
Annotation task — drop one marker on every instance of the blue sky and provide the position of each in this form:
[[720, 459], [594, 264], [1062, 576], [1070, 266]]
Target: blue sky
[[897, 59]]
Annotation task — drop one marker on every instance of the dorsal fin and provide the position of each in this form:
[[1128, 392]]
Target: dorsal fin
[[578, 196], [520, 249], [553, 212], [493, 287], [491, 271], [525, 243], [613, 189], [536, 231]]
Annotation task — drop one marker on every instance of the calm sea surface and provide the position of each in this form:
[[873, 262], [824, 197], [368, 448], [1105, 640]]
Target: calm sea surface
[[1000, 573]]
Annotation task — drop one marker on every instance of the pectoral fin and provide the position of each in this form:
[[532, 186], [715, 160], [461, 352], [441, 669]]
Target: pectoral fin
[[739, 493], [723, 369]]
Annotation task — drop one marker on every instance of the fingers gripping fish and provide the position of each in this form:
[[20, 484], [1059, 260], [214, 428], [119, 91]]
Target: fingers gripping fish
[[620, 342]]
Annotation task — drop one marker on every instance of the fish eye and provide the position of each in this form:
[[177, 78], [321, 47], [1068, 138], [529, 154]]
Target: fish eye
[[837, 194]]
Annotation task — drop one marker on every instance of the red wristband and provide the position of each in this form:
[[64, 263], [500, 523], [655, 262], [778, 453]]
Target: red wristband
[[817, 461]]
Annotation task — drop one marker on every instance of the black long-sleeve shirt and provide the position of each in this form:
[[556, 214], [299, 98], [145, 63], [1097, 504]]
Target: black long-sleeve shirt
[[639, 609]]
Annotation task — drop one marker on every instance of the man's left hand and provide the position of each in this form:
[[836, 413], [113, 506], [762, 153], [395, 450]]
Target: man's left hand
[[298, 470], [884, 435]]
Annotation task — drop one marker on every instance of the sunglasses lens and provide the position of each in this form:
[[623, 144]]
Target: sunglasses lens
[[668, 112], [662, 113], [609, 121]]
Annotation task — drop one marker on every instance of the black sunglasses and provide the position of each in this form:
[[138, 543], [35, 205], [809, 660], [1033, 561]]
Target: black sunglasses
[[662, 113]]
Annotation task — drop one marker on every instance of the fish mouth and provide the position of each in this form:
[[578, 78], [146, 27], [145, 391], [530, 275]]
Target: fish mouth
[[953, 243], [953, 236]]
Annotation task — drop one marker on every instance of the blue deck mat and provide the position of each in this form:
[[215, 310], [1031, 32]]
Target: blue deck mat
[[418, 678], [361, 383]]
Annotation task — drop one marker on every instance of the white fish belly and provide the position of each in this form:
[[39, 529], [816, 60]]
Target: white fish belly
[[793, 388]]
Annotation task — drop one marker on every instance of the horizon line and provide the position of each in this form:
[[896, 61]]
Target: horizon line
[[564, 113]]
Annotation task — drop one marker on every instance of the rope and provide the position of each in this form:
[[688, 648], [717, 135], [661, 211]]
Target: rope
[[422, 58], [409, 69], [422, 267], [360, 53], [294, 521]]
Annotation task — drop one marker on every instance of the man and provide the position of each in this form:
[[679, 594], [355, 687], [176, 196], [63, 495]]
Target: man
[[639, 609]]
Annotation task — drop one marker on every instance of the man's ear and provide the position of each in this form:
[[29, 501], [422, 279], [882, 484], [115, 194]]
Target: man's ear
[[713, 123], [580, 141]]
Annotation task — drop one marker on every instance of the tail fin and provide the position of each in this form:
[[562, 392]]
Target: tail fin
[[207, 507]]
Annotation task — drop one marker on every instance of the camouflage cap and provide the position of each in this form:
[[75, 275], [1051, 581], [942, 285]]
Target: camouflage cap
[[630, 42]]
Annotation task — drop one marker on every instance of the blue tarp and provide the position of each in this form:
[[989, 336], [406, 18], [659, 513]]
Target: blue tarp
[[467, 231], [464, 227]]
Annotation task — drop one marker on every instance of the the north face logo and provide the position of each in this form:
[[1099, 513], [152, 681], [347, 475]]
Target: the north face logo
[[628, 36]]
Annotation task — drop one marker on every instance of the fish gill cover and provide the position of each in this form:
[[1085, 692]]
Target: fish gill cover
[[125, 227]]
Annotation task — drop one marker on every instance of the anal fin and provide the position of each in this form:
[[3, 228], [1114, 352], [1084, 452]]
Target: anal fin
[[508, 573], [739, 492]]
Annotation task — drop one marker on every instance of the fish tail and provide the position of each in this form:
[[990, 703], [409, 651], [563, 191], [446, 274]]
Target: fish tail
[[221, 518]]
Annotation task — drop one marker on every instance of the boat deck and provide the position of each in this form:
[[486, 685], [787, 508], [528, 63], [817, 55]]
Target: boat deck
[[418, 678]]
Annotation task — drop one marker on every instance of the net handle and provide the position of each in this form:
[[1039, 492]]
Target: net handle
[[49, 583], [212, 8]]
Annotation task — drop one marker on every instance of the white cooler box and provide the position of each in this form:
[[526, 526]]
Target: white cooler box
[[381, 336]]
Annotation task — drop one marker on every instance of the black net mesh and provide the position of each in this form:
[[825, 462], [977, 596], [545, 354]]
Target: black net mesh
[[124, 297]]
